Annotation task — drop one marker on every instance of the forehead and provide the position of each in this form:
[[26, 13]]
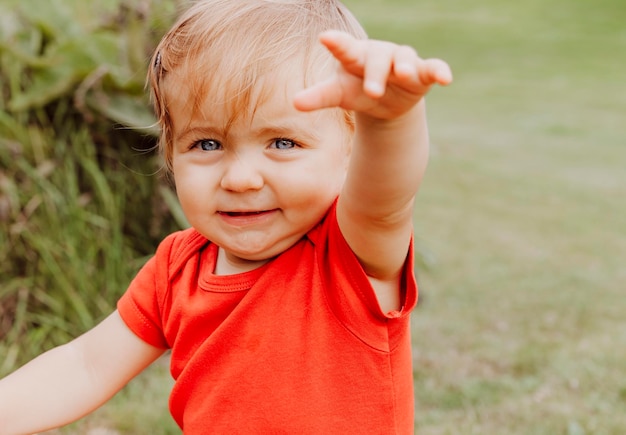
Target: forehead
[[199, 92]]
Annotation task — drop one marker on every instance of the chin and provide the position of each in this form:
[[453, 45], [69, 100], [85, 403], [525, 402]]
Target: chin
[[264, 252]]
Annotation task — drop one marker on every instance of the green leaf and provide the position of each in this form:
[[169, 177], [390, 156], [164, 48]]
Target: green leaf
[[68, 64], [128, 110], [53, 17], [48, 84]]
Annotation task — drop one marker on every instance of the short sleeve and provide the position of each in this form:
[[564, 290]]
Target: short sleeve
[[139, 307], [145, 305], [351, 295], [408, 284]]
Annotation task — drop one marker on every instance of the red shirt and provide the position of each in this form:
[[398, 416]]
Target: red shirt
[[299, 345]]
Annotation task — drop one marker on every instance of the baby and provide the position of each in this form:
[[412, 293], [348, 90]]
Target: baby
[[297, 146]]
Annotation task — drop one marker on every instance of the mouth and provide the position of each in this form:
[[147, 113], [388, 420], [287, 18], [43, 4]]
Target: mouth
[[244, 213]]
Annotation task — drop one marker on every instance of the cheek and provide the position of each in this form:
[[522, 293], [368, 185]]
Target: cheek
[[320, 182], [191, 186], [187, 202]]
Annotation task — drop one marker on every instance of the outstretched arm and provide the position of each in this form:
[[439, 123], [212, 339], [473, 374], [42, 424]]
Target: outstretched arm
[[68, 382], [384, 84]]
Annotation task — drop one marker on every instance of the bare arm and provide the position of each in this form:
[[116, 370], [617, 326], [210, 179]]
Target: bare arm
[[69, 381], [384, 84]]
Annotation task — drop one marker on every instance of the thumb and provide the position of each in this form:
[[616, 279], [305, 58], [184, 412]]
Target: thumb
[[325, 94]]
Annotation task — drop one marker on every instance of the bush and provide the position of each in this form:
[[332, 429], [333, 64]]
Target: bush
[[81, 205]]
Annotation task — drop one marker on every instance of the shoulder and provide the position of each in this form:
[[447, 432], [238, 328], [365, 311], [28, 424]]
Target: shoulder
[[178, 247]]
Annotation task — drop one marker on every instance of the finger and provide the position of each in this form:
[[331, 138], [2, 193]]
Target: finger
[[324, 94], [405, 63], [378, 64], [370, 60], [412, 72], [435, 71], [349, 51]]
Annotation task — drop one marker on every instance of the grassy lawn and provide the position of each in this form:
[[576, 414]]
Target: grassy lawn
[[522, 220], [521, 327]]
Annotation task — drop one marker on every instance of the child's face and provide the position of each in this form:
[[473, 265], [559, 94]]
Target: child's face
[[256, 186]]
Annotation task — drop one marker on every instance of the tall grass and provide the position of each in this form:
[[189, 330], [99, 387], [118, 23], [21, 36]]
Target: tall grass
[[63, 249], [80, 195]]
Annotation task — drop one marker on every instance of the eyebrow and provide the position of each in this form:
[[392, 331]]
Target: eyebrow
[[200, 131], [285, 129], [288, 130]]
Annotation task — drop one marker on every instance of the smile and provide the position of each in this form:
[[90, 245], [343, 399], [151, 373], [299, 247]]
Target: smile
[[244, 213], [247, 218]]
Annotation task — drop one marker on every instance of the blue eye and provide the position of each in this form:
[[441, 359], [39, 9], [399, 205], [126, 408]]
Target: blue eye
[[283, 144], [208, 145]]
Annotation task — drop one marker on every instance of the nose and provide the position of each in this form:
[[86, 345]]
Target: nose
[[242, 173]]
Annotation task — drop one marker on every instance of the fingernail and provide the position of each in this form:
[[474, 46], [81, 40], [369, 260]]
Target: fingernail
[[404, 68], [374, 88]]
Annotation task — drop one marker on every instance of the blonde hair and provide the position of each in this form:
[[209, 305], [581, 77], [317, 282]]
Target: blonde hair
[[230, 44]]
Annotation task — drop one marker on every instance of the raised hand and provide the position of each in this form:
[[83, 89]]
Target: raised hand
[[376, 78]]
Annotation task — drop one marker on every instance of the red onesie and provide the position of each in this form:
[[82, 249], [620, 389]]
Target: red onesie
[[299, 345]]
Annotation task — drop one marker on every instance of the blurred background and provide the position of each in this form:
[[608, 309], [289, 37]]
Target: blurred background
[[520, 223]]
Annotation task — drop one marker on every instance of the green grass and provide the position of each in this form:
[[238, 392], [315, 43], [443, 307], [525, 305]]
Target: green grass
[[521, 326]]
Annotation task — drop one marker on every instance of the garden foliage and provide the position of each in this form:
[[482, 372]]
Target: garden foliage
[[82, 196]]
